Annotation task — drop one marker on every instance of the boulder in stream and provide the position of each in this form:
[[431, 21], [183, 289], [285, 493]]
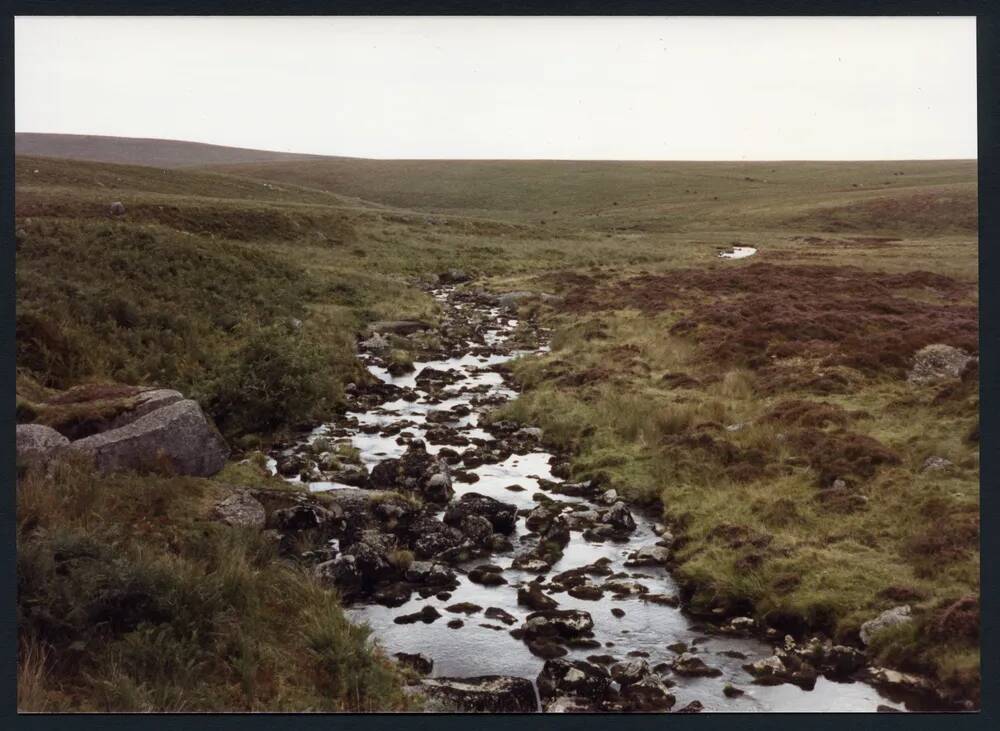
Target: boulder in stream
[[484, 693]]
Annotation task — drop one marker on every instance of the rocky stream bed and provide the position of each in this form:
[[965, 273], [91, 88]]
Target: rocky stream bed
[[505, 586]]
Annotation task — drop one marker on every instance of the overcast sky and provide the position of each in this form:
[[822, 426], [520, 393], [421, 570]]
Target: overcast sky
[[583, 88]]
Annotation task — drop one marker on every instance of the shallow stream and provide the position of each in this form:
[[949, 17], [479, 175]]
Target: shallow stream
[[483, 646]]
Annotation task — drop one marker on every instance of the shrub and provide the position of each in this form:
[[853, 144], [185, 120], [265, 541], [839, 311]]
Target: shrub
[[275, 377]]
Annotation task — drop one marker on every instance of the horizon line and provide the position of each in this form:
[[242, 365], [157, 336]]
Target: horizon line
[[489, 159]]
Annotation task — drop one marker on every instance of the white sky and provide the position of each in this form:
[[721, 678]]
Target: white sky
[[585, 88]]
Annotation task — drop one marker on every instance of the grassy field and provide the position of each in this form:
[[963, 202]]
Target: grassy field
[[731, 392]]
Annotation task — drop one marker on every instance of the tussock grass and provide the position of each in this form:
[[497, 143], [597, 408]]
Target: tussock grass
[[130, 599]]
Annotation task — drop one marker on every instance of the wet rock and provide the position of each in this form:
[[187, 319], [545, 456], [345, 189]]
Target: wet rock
[[570, 489], [625, 587], [353, 475], [533, 597], [649, 694], [393, 595], [546, 649], [499, 543], [589, 684], [427, 615], [618, 612], [581, 519], [432, 538], [837, 661], [558, 623], [619, 517], [437, 488], [455, 624], [485, 693], [937, 362], [372, 563], [556, 532], [565, 704], [341, 572], [241, 510], [306, 517], [586, 591], [886, 678], [477, 529], [464, 608], [415, 661], [487, 575], [889, 618], [731, 691], [416, 471], [778, 669], [501, 615], [692, 707], [177, 436], [653, 555], [429, 572], [429, 377], [693, 666], [739, 626], [540, 516], [630, 671], [502, 516], [531, 563]]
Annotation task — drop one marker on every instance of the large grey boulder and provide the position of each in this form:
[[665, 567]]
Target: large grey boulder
[[938, 362], [38, 440], [889, 618], [146, 403], [484, 693], [178, 434]]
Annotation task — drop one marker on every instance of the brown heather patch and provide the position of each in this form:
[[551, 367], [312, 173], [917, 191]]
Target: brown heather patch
[[945, 538], [94, 392], [843, 455], [868, 242], [957, 620], [796, 412], [741, 464], [838, 315]]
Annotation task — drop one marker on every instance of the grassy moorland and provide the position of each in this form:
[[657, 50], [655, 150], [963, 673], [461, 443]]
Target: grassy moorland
[[731, 393]]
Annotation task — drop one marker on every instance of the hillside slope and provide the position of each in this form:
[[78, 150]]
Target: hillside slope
[[653, 196], [141, 151]]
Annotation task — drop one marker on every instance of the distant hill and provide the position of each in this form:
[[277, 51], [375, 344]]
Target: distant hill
[[139, 151]]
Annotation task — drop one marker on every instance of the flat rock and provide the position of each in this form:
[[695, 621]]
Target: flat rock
[[241, 510], [484, 693]]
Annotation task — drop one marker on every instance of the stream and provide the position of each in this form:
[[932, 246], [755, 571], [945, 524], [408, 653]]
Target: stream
[[624, 627]]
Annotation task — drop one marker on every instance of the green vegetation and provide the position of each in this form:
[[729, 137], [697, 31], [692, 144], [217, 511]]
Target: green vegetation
[[762, 402], [131, 599]]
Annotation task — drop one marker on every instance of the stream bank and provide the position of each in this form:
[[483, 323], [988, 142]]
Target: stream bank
[[503, 576]]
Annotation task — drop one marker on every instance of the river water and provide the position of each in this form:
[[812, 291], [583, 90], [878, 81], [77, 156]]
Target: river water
[[483, 646]]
